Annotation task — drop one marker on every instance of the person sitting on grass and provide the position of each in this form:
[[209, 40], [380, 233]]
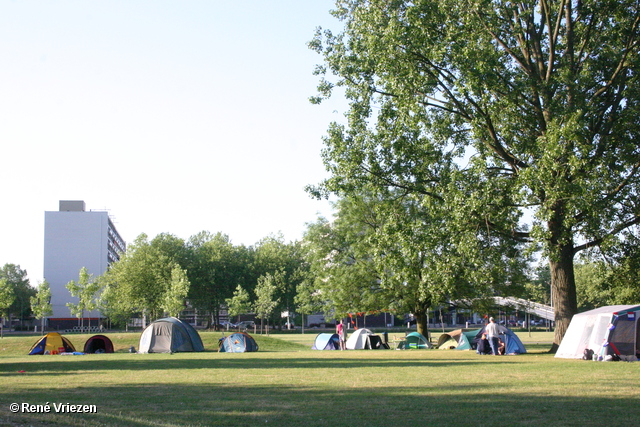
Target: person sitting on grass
[[501, 347], [483, 345]]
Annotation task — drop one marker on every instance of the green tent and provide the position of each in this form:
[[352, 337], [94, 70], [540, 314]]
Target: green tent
[[415, 340], [466, 339], [458, 339]]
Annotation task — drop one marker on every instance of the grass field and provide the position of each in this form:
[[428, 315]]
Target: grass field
[[287, 384]]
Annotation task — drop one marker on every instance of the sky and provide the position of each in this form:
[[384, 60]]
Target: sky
[[175, 116]]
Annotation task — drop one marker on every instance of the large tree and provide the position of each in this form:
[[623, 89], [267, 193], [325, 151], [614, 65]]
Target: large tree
[[216, 267], [18, 280], [7, 296], [140, 280], [276, 257], [497, 109], [393, 253]]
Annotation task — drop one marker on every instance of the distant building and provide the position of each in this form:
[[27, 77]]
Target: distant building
[[76, 238]]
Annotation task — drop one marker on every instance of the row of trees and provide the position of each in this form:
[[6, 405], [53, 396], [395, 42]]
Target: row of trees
[[366, 260], [159, 276]]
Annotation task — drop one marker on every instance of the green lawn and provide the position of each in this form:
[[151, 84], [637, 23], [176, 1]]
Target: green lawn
[[287, 384]]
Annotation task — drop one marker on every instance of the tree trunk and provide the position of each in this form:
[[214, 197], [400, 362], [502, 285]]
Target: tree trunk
[[563, 289], [422, 325]]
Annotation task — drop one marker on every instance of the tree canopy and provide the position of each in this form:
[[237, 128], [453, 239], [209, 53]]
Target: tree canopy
[[522, 118]]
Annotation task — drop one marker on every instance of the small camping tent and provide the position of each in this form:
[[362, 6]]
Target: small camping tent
[[169, 335], [359, 339], [53, 343], [449, 340], [365, 339], [326, 342], [238, 342], [606, 330], [414, 340], [98, 344]]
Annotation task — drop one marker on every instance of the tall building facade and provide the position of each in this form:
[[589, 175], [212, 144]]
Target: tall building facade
[[76, 238]]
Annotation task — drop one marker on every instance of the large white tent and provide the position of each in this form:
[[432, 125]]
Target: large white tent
[[358, 339], [605, 330]]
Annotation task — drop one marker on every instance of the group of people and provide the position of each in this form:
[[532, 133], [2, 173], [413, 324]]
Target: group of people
[[490, 342]]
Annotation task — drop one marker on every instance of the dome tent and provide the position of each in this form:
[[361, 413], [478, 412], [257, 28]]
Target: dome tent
[[415, 340], [98, 344], [238, 342], [169, 335], [326, 342], [53, 343]]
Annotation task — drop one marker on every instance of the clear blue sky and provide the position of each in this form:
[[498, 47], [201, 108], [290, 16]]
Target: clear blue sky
[[176, 116]]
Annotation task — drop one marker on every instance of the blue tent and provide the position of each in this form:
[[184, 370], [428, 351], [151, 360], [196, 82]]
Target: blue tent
[[238, 342], [513, 345], [326, 342]]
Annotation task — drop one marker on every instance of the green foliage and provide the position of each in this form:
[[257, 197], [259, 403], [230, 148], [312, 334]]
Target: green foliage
[[7, 297], [139, 281], [277, 258], [266, 289], [175, 296], [492, 109], [86, 290], [390, 252], [239, 303], [17, 279], [215, 268], [41, 301]]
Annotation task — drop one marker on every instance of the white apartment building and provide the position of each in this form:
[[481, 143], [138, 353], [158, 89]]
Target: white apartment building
[[76, 238]]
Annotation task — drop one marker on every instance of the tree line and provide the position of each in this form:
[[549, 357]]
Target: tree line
[[362, 260]]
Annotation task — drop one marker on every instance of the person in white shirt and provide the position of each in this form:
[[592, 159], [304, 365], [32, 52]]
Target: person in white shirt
[[493, 331]]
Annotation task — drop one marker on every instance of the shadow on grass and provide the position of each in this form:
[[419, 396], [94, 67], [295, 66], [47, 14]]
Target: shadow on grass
[[66, 366], [319, 405]]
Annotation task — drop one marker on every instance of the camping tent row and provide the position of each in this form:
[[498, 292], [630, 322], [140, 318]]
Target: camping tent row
[[468, 340], [54, 343], [166, 335], [607, 331], [172, 335]]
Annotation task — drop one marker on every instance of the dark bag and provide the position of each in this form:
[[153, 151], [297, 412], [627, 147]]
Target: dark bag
[[587, 354]]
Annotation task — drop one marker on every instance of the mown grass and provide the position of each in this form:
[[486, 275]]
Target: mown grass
[[287, 384]]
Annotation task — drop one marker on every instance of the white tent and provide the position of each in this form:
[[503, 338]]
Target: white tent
[[605, 330], [358, 339]]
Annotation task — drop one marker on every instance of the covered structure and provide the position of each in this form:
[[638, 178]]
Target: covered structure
[[239, 342], [170, 335], [608, 331], [364, 339], [52, 343], [414, 340], [326, 342], [98, 344]]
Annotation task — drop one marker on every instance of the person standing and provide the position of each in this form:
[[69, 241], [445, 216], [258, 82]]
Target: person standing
[[342, 335], [493, 334]]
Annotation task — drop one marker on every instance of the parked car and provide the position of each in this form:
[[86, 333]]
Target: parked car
[[246, 324]]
